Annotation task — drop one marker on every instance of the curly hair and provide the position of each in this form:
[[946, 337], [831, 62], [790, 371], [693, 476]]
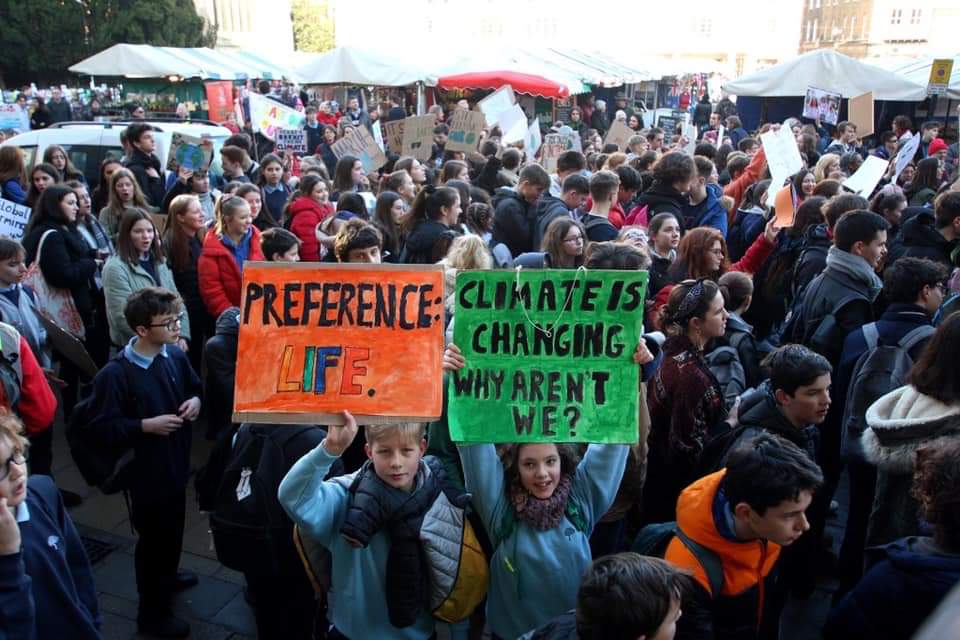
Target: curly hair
[[936, 487], [510, 459]]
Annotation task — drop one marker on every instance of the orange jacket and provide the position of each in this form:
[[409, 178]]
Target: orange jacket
[[737, 611]]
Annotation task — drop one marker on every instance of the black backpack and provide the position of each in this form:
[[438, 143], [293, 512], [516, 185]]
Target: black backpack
[[747, 226], [107, 467], [724, 363], [251, 531], [881, 369]]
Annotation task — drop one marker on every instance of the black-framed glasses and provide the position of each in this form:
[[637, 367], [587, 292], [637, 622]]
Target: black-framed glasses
[[172, 323], [18, 457]]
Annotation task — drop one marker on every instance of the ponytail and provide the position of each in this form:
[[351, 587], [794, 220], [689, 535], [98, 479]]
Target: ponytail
[[429, 205], [227, 207]]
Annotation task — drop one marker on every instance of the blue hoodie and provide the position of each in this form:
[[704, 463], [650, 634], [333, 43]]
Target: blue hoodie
[[910, 578], [534, 575], [357, 602], [709, 213]]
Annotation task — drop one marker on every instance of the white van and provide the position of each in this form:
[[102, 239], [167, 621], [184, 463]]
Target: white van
[[89, 143]]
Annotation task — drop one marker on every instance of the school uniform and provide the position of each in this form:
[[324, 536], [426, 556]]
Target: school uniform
[[274, 199]]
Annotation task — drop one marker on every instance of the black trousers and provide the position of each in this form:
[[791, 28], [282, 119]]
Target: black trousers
[[41, 453], [863, 484], [159, 525], [285, 606]]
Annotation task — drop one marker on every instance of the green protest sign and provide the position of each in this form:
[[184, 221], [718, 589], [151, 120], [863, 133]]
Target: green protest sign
[[549, 356]]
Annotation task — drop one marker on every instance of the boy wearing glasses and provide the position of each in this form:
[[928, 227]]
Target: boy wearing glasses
[[153, 375], [46, 586]]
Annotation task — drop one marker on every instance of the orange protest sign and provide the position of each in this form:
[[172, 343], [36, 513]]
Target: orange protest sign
[[317, 339], [784, 206]]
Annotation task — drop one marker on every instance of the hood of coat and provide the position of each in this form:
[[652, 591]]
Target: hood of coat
[[901, 422], [921, 231], [304, 203], [228, 323]]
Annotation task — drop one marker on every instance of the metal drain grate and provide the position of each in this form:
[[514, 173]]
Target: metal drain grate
[[97, 550]]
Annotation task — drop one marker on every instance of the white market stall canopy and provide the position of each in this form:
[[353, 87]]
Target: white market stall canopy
[[831, 71], [146, 61], [352, 65], [919, 71]]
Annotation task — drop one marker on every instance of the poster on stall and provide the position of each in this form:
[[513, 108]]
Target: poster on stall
[[268, 116], [822, 105], [327, 338], [361, 145], [219, 99], [940, 72]]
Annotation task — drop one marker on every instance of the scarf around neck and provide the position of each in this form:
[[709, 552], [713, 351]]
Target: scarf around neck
[[857, 268], [542, 515]]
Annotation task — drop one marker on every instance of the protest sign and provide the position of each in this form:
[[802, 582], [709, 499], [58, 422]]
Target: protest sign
[[822, 105], [549, 356], [785, 206], [318, 339], [496, 103], [12, 116], [189, 152], [690, 133], [361, 145], [418, 136], [67, 345], [906, 153], [533, 140], [267, 116], [292, 140], [513, 124], [860, 113], [940, 72], [783, 158], [866, 178], [465, 130], [618, 134], [393, 134], [377, 132], [13, 219], [553, 145], [219, 99]]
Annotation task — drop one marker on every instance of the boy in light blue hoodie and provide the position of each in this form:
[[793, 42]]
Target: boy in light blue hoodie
[[366, 599]]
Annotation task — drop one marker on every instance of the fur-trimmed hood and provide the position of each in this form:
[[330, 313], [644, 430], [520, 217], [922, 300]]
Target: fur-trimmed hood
[[902, 421]]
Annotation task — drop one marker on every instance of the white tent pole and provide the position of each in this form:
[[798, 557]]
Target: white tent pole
[[420, 99]]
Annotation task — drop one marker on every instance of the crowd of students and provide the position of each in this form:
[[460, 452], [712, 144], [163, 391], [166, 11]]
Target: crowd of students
[[775, 358]]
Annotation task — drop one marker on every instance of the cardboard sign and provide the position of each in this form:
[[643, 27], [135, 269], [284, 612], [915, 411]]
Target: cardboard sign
[[361, 145], [785, 205], [189, 152], [466, 127], [860, 113], [393, 135], [513, 124], [783, 158], [292, 140], [496, 103], [906, 153], [821, 104], [268, 116], [573, 379], [866, 178], [618, 134], [320, 339], [418, 136], [13, 219], [940, 72]]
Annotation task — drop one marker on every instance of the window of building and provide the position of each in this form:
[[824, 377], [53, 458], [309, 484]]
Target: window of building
[[895, 16], [816, 33], [915, 16], [705, 27], [853, 27]]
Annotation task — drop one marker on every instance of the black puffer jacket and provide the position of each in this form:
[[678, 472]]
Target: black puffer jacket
[[420, 245], [813, 257], [220, 354], [153, 188], [759, 413], [661, 198], [919, 238], [513, 221], [372, 506], [548, 209]]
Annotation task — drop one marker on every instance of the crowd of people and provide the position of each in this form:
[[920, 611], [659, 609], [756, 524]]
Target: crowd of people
[[774, 361]]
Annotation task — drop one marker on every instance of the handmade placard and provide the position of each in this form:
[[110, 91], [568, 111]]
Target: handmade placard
[[549, 356], [317, 339]]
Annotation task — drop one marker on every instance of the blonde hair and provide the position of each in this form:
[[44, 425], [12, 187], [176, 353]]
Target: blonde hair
[[614, 160], [11, 429], [411, 430], [469, 252], [819, 172]]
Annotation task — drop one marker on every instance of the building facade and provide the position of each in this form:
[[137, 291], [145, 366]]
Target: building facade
[[250, 24]]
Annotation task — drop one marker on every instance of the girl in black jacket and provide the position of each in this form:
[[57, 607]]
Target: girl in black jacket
[[434, 212]]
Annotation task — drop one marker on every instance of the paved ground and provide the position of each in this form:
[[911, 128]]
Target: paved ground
[[215, 608]]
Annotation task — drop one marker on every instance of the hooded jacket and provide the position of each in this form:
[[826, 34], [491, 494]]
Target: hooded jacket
[[907, 581], [708, 213], [419, 246], [513, 221], [919, 238], [743, 606], [898, 424], [548, 209], [220, 275], [220, 356], [739, 335], [661, 198], [813, 257], [305, 214], [760, 413], [153, 188]]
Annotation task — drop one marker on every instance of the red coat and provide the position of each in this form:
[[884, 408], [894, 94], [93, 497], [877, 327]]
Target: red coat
[[306, 214], [37, 406], [219, 275]]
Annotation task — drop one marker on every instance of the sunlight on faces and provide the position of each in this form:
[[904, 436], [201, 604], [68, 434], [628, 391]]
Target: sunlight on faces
[[396, 457], [808, 404], [782, 524], [540, 468], [14, 486], [366, 255]]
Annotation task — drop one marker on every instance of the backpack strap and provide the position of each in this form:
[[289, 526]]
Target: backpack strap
[[708, 559], [914, 336], [871, 335]]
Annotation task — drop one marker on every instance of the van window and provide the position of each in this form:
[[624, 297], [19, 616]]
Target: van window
[[84, 159], [29, 156]]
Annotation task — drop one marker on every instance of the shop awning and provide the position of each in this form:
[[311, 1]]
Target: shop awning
[[521, 82]]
